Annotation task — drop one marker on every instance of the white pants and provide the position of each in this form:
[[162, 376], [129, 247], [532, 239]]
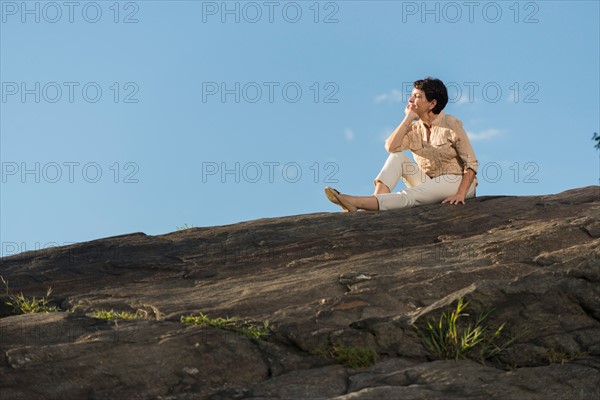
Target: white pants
[[421, 189]]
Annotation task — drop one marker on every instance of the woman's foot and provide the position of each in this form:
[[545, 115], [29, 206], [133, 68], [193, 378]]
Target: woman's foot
[[335, 197]]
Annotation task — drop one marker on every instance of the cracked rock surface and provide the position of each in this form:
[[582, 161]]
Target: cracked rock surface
[[361, 280]]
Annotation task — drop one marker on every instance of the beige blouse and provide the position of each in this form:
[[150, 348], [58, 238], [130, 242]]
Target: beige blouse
[[449, 150]]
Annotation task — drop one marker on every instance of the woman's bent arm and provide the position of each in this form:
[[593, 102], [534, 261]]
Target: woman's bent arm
[[394, 141]]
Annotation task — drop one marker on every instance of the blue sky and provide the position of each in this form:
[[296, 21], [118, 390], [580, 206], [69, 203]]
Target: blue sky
[[120, 117]]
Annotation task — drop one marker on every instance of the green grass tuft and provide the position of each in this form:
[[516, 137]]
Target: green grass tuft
[[234, 324], [26, 305], [354, 357], [114, 316], [562, 358], [255, 331], [205, 320], [448, 338], [184, 227]]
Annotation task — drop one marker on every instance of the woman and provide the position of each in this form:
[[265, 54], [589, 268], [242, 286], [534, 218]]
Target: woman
[[445, 165]]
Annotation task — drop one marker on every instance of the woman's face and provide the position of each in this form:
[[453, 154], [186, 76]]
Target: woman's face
[[422, 105]]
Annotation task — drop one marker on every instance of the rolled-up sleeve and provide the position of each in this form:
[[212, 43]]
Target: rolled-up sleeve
[[463, 147]]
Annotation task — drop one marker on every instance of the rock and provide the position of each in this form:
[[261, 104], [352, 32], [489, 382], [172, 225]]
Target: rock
[[326, 281], [136, 359], [441, 380], [316, 383]]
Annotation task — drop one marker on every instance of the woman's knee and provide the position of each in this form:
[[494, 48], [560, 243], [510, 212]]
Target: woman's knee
[[381, 187], [400, 156]]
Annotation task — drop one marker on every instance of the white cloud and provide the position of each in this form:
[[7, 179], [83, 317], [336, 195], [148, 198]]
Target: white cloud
[[484, 135], [513, 97], [394, 96], [463, 99], [349, 134]]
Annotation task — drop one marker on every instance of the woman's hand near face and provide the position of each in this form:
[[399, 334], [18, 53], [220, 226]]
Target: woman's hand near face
[[410, 112], [394, 141]]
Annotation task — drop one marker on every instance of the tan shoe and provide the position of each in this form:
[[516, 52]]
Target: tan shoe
[[335, 197]]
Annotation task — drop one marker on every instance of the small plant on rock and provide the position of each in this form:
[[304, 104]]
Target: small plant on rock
[[234, 324], [205, 320], [255, 331], [26, 305], [449, 339], [354, 357], [561, 357], [184, 227], [114, 316]]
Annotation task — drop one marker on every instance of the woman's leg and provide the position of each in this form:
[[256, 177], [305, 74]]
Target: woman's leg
[[381, 188], [431, 192], [369, 203], [398, 166]]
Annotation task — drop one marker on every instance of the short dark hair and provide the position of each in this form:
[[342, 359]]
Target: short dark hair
[[433, 89]]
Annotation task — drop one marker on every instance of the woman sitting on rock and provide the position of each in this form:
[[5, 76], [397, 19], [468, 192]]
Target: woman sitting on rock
[[445, 165]]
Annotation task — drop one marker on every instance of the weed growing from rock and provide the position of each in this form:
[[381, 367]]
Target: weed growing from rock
[[114, 316], [349, 357], [560, 357], [234, 324], [26, 305], [354, 357], [184, 227], [255, 331], [449, 339]]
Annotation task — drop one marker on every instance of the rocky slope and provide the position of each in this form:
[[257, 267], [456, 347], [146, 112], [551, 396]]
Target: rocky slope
[[326, 283]]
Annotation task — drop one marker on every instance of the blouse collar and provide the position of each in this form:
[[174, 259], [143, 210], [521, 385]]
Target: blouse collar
[[436, 121]]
